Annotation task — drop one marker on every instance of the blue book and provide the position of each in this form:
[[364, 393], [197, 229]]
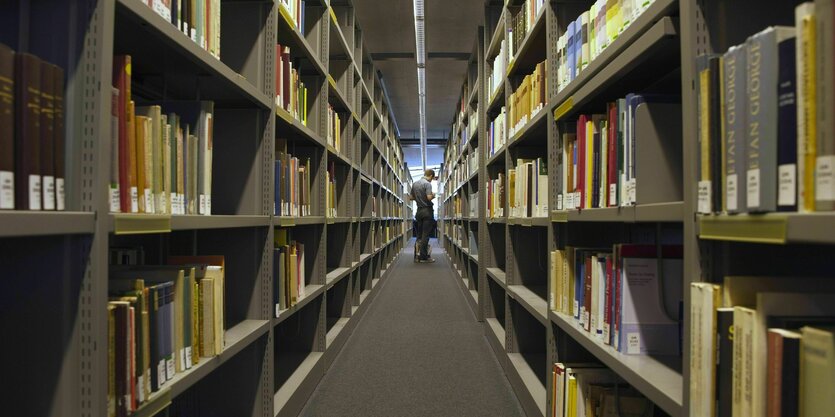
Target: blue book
[[787, 126], [570, 51]]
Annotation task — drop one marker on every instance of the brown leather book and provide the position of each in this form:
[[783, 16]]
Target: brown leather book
[[47, 137], [60, 135], [7, 119], [27, 132]]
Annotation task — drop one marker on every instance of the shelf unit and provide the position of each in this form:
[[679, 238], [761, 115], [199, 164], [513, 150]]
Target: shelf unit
[[510, 275], [59, 261]]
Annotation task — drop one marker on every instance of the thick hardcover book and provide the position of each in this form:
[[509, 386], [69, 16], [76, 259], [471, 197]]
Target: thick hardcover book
[[27, 132], [59, 138], [761, 156], [704, 299], [817, 371], [787, 126], [824, 169], [47, 137], [735, 111], [783, 373], [121, 81], [7, 128], [707, 67]]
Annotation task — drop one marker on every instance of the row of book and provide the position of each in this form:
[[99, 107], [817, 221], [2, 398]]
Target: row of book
[[457, 206], [529, 98], [32, 160], [334, 135], [330, 191], [472, 125], [765, 122], [762, 346], [496, 71], [589, 35], [628, 296], [528, 184], [590, 390], [290, 90], [495, 197], [162, 320], [161, 154], [497, 133], [296, 12], [521, 24], [473, 204], [292, 185], [197, 19], [288, 271], [597, 161]]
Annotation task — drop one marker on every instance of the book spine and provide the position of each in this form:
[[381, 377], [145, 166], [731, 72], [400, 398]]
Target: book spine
[[735, 100], [47, 137], [724, 362], [761, 155], [27, 132], [59, 138], [7, 128], [825, 96], [787, 126]]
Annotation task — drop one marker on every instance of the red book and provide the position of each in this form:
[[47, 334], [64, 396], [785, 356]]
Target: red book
[[27, 132], [279, 69], [121, 80], [612, 154], [285, 58], [607, 310]]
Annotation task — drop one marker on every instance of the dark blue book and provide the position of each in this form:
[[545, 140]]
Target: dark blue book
[[277, 191], [787, 126]]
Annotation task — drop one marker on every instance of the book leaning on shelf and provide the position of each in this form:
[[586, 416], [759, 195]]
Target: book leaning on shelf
[[529, 188], [529, 98], [288, 272], [197, 19], [290, 90], [785, 354], [161, 153], [769, 145], [162, 319], [588, 389], [591, 33], [292, 183], [32, 133], [621, 296]]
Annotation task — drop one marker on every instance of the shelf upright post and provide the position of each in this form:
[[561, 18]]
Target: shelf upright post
[[481, 176]]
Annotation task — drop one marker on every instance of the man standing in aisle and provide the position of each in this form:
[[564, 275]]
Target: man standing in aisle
[[422, 194]]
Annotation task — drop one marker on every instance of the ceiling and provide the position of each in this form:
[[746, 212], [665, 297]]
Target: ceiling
[[389, 33]]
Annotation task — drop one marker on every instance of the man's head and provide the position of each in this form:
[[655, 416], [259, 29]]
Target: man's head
[[429, 174]]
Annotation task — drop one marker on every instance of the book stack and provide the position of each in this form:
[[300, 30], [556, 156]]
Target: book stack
[[497, 133], [32, 147], [522, 22], [594, 30], [765, 122], [290, 91], [199, 20], [529, 98], [334, 129], [161, 321], [762, 346], [295, 11], [496, 197], [496, 71], [330, 192], [288, 271], [529, 188], [161, 154], [587, 389], [626, 296], [292, 183], [597, 164]]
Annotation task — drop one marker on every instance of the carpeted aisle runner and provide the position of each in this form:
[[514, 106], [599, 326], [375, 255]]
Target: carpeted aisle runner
[[417, 352]]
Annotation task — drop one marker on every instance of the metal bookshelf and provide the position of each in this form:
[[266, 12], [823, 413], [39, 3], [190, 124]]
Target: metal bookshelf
[[510, 273], [270, 363]]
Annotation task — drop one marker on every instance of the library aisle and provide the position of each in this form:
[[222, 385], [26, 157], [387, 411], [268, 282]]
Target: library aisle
[[418, 351]]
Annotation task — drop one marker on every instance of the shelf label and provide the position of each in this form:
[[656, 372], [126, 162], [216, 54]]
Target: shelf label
[[825, 178], [633, 343], [34, 192], [731, 191], [60, 196], [6, 190], [115, 205], [787, 191], [753, 188], [48, 192], [134, 200], [704, 197]]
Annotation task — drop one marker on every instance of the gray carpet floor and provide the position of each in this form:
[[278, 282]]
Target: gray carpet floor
[[418, 351]]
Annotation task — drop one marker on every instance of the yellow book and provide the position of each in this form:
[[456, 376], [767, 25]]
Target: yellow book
[[807, 120], [207, 345], [572, 397], [111, 361], [704, 124], [141, 124], [587, 193], [132, 159]]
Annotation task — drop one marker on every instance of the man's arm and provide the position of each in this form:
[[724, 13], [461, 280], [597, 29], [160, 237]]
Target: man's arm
[[429, 194]]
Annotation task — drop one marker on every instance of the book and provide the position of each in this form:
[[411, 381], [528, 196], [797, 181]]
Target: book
[[27, 149], [743, 354], [817, 371], [787, 126], [114, 196], [59, 162], [761, 151], [735, 101], [215, 270], [704, 300], [7, 128], [121, 81], [725, 361], [825, 102], [47, 136], [709, 132], [783, 373], [806, 105]]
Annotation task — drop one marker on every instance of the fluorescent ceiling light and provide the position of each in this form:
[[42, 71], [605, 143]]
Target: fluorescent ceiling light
[[420, 58]]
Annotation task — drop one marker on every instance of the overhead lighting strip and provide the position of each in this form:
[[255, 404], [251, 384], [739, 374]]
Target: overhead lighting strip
[[420, 57]]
